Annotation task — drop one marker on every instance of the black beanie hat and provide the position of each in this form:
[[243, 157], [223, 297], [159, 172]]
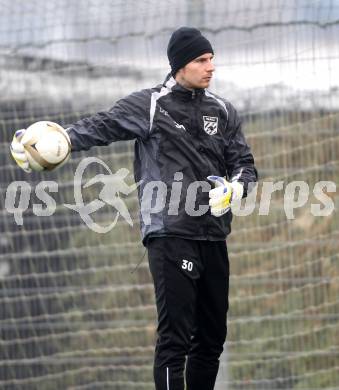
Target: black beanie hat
[[185, 45]]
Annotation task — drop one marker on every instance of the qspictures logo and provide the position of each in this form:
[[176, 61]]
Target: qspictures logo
[[157, 197]]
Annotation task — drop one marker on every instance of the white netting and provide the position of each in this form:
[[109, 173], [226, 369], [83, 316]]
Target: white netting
[[72, 315]]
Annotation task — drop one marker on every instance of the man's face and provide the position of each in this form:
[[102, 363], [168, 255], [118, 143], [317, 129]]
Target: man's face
[[197, 73]]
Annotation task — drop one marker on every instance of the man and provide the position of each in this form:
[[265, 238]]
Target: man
[[183, 134]]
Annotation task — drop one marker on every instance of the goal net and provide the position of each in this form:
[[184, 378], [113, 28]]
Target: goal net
[[76, 303]]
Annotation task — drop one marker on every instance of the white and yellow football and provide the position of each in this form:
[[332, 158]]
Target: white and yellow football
[[47, 145]]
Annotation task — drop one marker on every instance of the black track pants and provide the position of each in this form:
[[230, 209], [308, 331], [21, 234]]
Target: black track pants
[[191, 287]]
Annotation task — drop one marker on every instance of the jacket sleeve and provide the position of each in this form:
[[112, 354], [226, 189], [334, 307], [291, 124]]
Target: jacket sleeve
[[238, 156], [126, 120]]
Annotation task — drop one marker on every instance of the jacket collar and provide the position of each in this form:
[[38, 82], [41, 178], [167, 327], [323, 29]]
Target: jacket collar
[[177, 88]]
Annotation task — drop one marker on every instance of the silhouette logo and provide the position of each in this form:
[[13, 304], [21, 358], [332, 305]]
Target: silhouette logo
[[113, 185]]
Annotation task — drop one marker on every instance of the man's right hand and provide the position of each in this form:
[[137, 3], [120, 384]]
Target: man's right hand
[[18, 151]]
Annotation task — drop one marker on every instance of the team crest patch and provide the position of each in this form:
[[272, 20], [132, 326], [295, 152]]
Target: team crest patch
[[210, 124]]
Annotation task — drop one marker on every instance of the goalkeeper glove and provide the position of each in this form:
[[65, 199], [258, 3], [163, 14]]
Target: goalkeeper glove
[[224, 193], [18, 151]]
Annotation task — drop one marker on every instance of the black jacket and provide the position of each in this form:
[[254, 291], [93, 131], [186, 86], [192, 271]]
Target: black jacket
[[190, 134]]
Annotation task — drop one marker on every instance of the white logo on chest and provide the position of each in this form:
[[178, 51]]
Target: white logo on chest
[[177, 125], [210, 124]]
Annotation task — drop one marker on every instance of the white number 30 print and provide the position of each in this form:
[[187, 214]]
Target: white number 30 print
[[187, 265]]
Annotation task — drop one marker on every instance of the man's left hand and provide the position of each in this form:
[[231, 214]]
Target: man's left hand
[[224, 193]]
